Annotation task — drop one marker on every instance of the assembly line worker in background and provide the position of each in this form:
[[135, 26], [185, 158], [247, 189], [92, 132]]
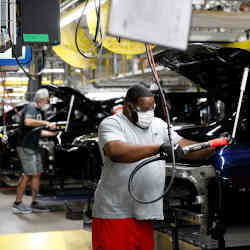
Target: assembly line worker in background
[[126, 138], [32, 116]]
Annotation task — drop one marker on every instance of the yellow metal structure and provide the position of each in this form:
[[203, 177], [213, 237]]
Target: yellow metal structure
[[242, 45], [61, 240], [24, 83], [125, 47], [67, 50]]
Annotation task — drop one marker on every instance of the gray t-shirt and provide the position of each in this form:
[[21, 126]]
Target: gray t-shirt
[[29, 136], [112, 199]]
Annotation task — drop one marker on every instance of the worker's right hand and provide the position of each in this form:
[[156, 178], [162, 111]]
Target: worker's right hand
[[167, 149], [51, 125]]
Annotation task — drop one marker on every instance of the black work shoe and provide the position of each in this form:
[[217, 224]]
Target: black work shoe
[[36, 207]]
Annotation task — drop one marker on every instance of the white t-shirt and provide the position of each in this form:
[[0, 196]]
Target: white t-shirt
[[112, 199]]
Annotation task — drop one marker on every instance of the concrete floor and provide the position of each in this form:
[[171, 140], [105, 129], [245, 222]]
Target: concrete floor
[[59, 240], [38, 231], [35, 222]]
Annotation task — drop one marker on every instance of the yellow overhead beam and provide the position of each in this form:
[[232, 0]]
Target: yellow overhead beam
[[241, 45], [24, 83]]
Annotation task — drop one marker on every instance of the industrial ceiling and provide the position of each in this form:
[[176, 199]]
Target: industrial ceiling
[[220, 22]]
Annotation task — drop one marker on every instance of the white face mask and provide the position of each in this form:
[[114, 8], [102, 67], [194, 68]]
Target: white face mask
[[45, 107], [145, 118]]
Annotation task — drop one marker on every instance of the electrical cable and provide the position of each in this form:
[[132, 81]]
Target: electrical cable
[[164, 106], [218, 142], [167, 117], [29, 75], [98, 28], [152, 63], [133, 173], [165, 110]]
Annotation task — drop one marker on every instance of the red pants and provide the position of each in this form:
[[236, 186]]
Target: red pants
[[122, 234]]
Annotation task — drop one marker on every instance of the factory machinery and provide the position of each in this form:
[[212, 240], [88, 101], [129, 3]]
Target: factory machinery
[[208, 205], [207, 202]]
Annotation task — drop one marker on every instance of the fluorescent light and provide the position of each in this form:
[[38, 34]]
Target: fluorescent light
[[107, 95], [53, 70], [15, 79]]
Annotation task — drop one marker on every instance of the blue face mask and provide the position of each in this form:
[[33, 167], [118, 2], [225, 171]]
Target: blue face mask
[[45, 107]]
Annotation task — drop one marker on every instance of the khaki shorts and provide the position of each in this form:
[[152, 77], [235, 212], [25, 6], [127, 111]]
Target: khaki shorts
[[31, 161]]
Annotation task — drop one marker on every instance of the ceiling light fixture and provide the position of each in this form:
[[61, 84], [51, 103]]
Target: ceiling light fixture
[[52, 70]]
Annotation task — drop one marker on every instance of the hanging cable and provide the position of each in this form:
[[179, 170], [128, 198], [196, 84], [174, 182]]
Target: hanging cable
[[163, 99], [133, 173], [98, 30], [98, 24], [29, 75], [98, 27], [218, 142], [158, 82], [151, 62], [167, 117]]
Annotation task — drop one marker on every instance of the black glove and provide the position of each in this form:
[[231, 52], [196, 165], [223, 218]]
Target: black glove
[[167, 149]]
